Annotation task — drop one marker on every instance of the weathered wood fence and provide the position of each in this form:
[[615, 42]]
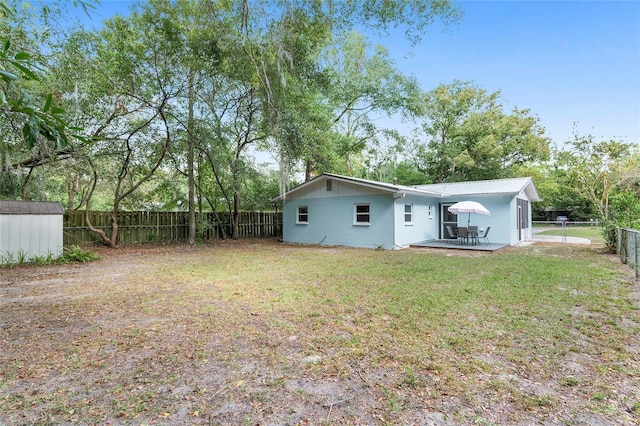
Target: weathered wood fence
[[628, 248], [144, 227]]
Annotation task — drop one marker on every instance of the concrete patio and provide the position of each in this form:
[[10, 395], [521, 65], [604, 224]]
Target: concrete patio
[[454, 244], [537, 238]]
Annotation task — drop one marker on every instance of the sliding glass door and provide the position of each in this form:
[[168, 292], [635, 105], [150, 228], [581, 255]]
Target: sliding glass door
[[447, 218]]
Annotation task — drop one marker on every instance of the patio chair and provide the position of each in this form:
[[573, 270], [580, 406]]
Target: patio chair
[[463, 234], [484, 236], [473, 234], [450, 234]]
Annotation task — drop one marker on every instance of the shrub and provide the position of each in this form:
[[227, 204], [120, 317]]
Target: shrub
[[77, 254]]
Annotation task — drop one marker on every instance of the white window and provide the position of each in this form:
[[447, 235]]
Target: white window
[[430, 215], [361, 214], [303, 215], [408, 214]]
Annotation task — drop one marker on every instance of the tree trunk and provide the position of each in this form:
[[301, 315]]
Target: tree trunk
[[114, 229], [111, 242], [236, 213], [190, 161], [307, 171]]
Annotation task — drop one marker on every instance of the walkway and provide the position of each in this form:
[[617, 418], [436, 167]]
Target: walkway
[[556, 238]]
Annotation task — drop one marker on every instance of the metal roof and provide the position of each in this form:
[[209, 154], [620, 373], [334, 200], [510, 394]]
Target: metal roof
[[512, 186], [389, 187], [30, 207]]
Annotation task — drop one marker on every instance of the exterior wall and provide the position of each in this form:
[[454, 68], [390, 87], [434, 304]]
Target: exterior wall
[[331, 219], [513, 222], [338, 189], [331, 216], [425, 221], [500, 220], [31, 235]]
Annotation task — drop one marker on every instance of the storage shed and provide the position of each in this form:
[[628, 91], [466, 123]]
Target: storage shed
[[29, 229]]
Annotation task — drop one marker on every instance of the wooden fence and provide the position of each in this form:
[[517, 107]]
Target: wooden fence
[[144, 227]]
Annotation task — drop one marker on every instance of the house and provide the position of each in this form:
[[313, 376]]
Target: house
[[29, 229], [340, 210]]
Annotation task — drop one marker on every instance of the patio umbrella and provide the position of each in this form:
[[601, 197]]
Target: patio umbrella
[[469, 207]]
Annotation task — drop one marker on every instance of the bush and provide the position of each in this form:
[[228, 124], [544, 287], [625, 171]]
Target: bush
[[77, 254], [624, 212]]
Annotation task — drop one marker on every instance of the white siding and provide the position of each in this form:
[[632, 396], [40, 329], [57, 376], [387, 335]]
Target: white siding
[[32, 235]]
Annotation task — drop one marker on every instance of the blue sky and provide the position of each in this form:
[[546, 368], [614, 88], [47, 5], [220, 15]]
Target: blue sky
[[567, 61]]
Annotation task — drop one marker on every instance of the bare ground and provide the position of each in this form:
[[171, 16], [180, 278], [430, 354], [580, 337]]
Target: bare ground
[[77, 345]]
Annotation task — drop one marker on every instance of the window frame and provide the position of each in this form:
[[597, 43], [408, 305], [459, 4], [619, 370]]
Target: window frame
[[299, 214], [410, 213], [356, 213]]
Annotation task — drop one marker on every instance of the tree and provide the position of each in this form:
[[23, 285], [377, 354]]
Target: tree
[[128, 89], [34, 129], [37, 111], [203, 83], [602, 171], [190, 28], [625, 209], [296, 82], [364, 82], [466, 135]]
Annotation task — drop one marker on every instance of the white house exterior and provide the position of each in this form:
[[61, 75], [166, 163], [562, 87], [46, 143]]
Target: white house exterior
[[29, 229], [339, 210]]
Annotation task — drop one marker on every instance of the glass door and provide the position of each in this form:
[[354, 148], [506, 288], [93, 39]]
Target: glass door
[[447, 219]]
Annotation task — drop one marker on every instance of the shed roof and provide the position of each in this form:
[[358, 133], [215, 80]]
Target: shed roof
[[511, 187], [30, 207]]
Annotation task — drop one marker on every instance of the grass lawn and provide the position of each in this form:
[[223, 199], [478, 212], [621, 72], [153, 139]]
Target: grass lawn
[[258, 332], [593, 233]]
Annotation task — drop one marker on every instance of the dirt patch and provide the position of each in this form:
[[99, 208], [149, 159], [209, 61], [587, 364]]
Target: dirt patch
[[100, 343]]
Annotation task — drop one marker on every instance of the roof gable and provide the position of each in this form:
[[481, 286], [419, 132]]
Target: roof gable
[[370, 184]]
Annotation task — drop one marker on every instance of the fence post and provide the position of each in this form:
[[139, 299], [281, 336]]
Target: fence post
[[636, 252], [627, 248]]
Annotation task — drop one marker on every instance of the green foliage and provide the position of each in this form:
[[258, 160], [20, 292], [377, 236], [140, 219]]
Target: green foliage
[[467, 136], [69, 255], [39, 115], [624, 212], [7, 259], [21, 257], [625, 209], [604, 176], [76, 254]]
